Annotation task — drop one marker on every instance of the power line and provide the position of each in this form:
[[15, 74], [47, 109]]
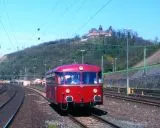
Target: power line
[[9, 21], [52, 11], [6, 33], [42, 25], [82, 4], [95, 14], [64, 12], [78, 9], [68, 8]]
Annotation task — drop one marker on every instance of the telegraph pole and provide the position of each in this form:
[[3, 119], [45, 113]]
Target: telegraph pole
[[25, 72], [102, 65], [45, 68], [128, 91], [103, 52], [34, 71], [60, 62], [82, 55], [144, 59], [115, 64]]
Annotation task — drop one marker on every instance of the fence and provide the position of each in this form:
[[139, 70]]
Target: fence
[[139, 77]]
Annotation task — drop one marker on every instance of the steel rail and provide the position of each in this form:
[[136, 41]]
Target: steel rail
[[13, 116], [7, 101], [105, 121], [3, 89], [6, 121], [77, 121], [138, 100]]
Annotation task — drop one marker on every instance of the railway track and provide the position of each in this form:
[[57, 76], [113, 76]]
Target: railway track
[[6, 97], [92, 121], [89, 121], [3, 89], [148, 94], [10, 107], [133, 99]]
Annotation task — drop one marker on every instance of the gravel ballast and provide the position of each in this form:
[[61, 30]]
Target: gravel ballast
[[130, 114], [37, 113]]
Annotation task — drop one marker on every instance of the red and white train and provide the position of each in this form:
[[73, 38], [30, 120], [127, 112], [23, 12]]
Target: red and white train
[[74, 85]]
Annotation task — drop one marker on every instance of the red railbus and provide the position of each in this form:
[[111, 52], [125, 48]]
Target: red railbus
[[74, 85]]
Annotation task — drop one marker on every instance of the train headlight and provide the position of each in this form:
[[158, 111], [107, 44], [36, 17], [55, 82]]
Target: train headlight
[[67, 90], [95, 90], [81, 68]]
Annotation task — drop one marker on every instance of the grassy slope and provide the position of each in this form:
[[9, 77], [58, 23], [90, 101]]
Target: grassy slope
[[35, 60]]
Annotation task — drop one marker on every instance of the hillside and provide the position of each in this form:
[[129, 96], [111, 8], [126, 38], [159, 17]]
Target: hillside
[[35, 61], [3, 58], [151, 60]]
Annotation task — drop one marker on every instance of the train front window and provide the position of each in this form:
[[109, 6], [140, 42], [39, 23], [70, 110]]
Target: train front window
[[72, 78], [100, 77], [89, 78], [60, 77]]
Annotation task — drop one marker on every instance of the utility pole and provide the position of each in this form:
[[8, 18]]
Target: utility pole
[[34, 71], [45, 68], [102, 67], [115, 64], [112, 66], [102, 59], [60, 62], [144, 59], [144, 70], [25, 73], [128, 91], [82, 55]]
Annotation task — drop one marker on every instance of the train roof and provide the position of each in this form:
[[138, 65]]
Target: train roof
[[76, 67]]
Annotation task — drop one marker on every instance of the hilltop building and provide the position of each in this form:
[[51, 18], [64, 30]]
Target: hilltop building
[[93, 33]]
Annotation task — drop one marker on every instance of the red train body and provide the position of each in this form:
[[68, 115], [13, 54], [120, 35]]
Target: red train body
[[75, 85]]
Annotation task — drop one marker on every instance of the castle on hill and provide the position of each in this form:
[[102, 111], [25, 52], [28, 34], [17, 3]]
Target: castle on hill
[[93, 33]]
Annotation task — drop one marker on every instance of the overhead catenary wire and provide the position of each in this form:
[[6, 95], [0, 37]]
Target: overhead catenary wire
[[81, 6], [58, 20], [52, 11], [36, 35], [9, 21], [94, 15], [64, 12], [7, 34], [41, 26], [69, 7], [77, 11]]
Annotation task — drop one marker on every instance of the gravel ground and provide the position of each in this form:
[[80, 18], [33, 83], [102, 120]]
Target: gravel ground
[[131, 115], [36, 113]]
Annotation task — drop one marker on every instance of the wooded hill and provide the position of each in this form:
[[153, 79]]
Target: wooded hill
[[35, 61]]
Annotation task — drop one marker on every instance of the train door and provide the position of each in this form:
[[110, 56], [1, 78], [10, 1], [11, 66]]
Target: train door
[[51, 84], [48, 86], [59, 81], [53, 88]]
